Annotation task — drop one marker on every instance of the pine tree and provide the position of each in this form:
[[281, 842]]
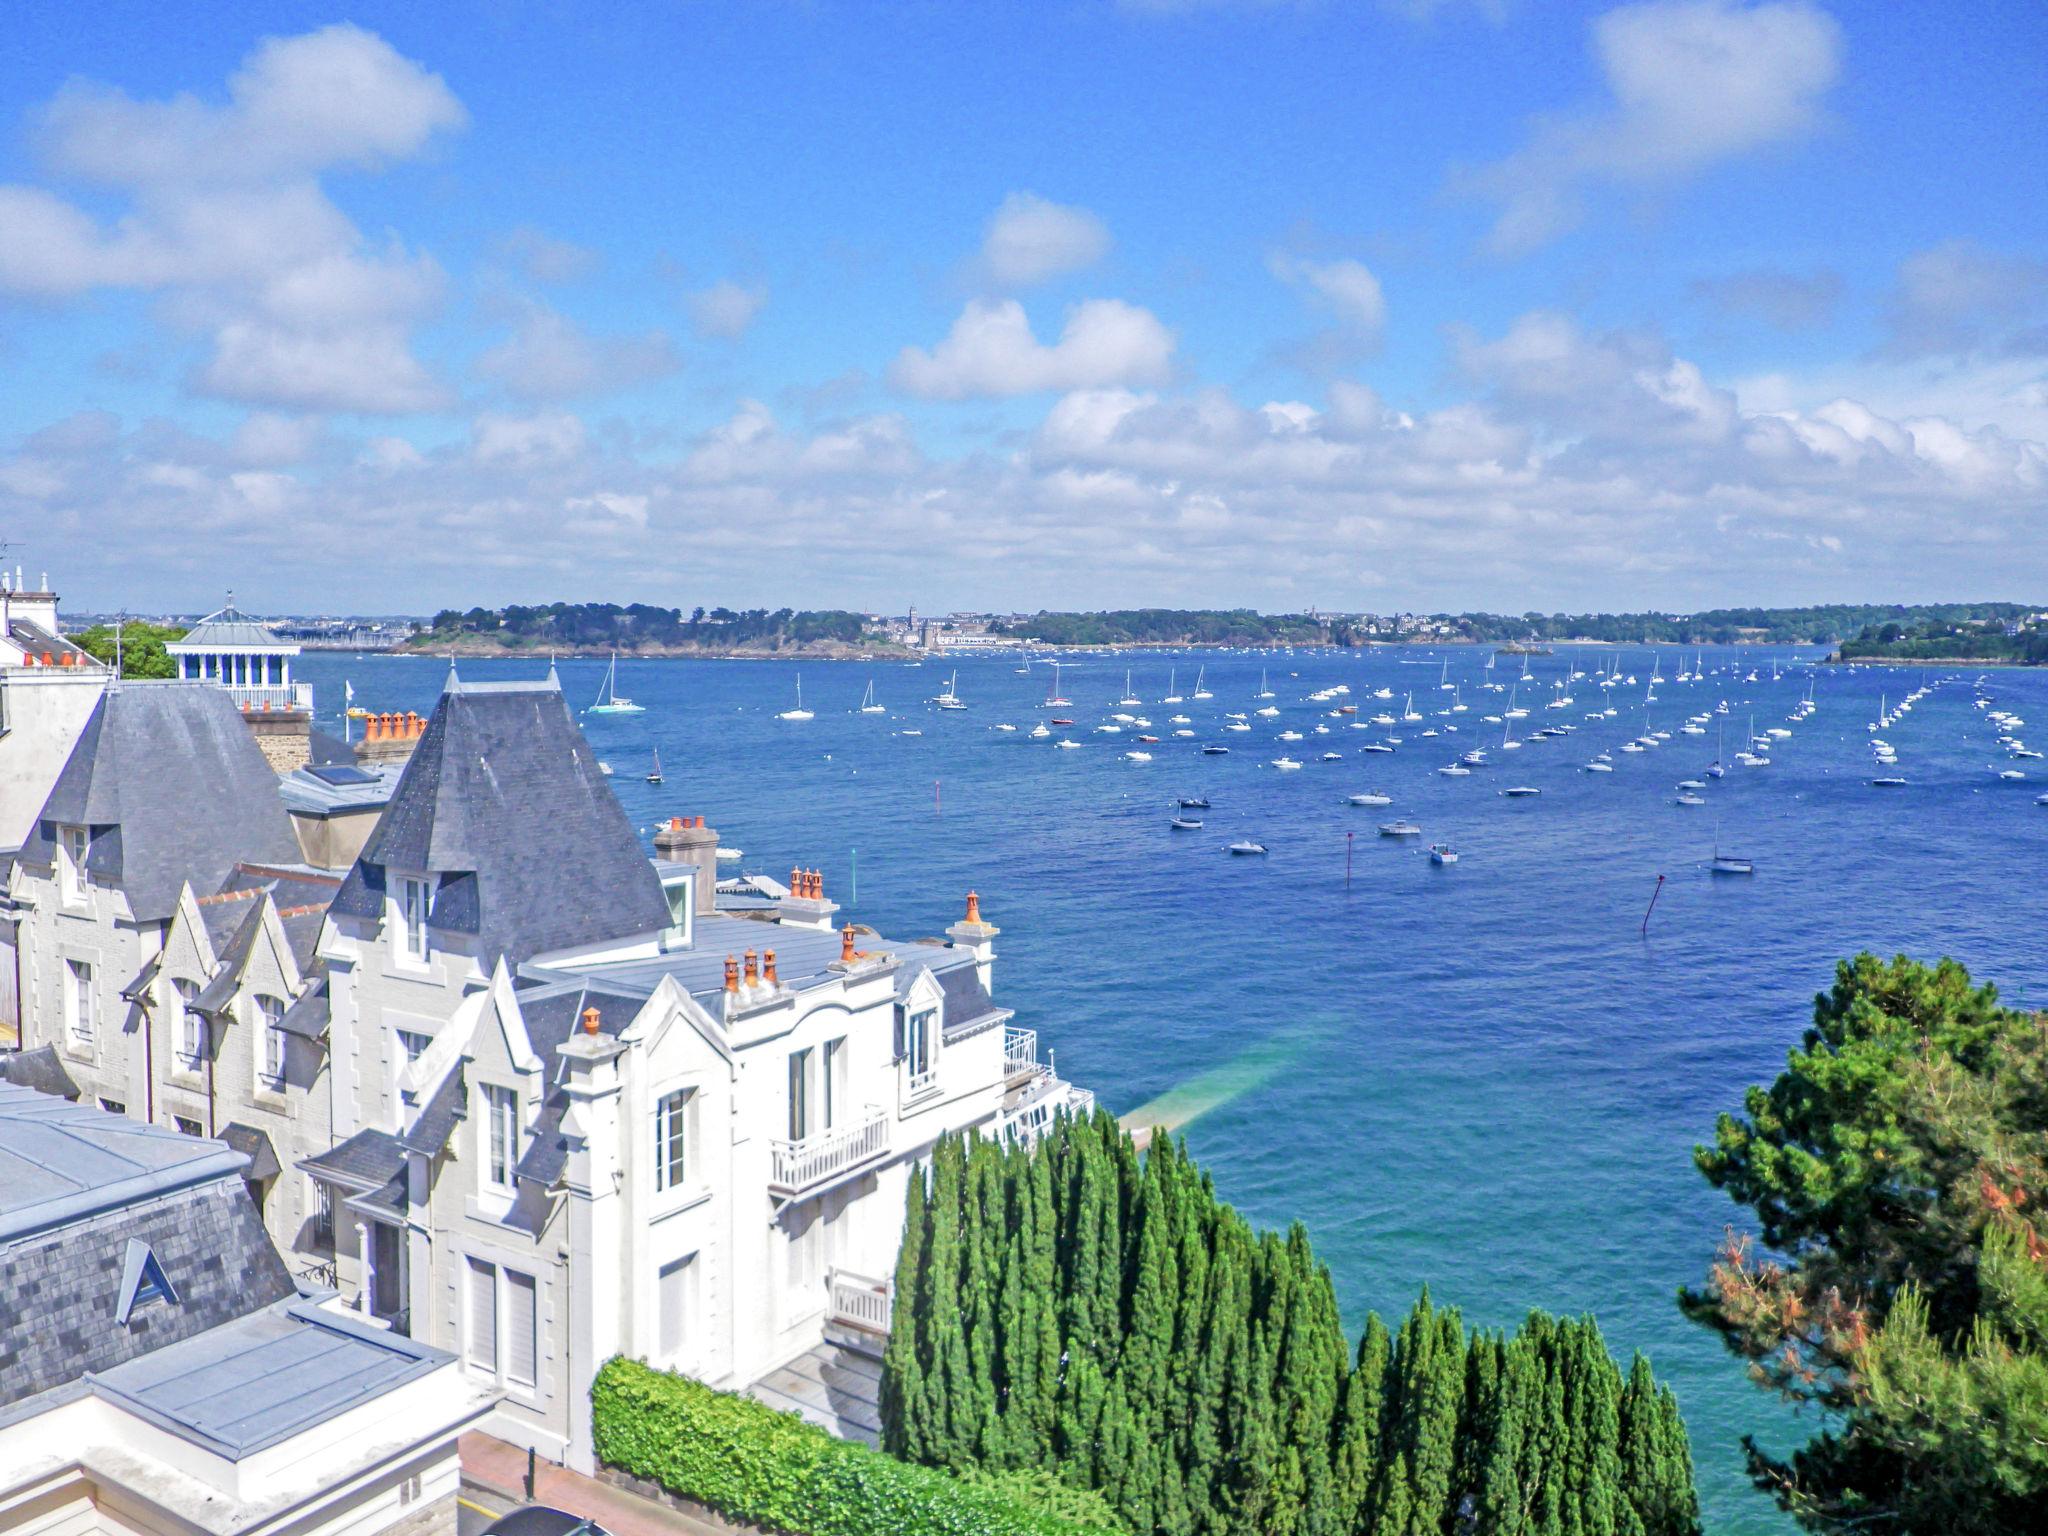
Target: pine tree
[[902, 1397]]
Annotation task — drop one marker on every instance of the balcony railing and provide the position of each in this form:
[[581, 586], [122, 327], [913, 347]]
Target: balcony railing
[[860, 1301], [258, 697], [1020, 1052], [798, 1166]]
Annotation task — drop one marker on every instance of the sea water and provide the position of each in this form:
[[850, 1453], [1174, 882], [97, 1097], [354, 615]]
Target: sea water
[[1487, 1077]]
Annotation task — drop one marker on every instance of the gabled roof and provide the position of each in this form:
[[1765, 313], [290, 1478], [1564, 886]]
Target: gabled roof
[[503, 799], [39, 1069], [367, 1159], [551, 1015], [175, 788], [307, 1018]]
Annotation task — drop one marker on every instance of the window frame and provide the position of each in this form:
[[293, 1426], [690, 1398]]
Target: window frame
[[74, 879], [415, 910], [500, 1119], [81, 1004], [270, 1031], [188, 1027], [496, 1364], [675, 1151]]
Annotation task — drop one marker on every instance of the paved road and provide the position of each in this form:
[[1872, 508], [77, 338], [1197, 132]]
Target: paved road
[[476, 1508]]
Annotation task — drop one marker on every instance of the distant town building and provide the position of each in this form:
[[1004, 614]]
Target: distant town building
[[161, 1372]]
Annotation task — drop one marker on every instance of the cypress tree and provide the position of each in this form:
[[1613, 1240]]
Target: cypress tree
[[950, 1393], [902, 1366], [1358, 1436]]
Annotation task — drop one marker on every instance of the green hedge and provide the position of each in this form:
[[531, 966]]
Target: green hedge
[[752, 1463]]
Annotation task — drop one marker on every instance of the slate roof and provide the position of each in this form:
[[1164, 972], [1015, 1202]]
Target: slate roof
[[39, 642], [265, 1377], [438, 1117], [76, 1185], [307, 1017], [227, 979], [967, 1000], [174, 787], [503, 799], [551, 1015], [367, 1159], [39, 1069], [255, 1146], [332, 789], [230, 627]]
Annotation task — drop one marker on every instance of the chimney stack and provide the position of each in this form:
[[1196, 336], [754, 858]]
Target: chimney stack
[[686, 840], [977, 936], [805, 906]]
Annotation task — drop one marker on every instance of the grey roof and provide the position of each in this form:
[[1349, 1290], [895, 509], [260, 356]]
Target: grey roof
[[40, 641], [140, 982], [502, 798], [226, 627], [175, 788], [967, 1000], [551, 1015], [108, 1185], [367, 1159], [255, 1146], [227, 979], [266, 1377], [62, 1162], [39, 1069], [307, 1017], [438, 1117], [335, 789]]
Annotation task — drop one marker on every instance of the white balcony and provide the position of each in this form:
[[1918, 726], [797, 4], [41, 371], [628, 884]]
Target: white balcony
[[260, 697], [800, 1167], [1020, 1052], [860, 1301]]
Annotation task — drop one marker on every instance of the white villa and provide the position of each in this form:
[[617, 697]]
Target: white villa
[[532, 1098]]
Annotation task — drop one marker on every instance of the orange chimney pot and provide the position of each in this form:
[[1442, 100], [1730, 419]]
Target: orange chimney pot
[[590, 1021], [753, 968], [846, 944], [973, 907], [732, 974], [768, 967]]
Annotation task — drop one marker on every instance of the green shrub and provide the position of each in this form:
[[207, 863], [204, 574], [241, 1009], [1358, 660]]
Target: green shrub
[[751, 1463]]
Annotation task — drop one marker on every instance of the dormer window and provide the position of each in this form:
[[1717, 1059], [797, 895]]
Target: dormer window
[[415, 901], [501, 1137], [190, 1030], [143, 1282], [270, 1017]]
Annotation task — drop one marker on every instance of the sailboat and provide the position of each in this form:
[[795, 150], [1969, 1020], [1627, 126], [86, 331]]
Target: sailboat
[[950, 698], [1264, 691], [1053, 697], [799, 713], [1130, 700], [609, 700], [868, 706], [654, 773], [1172, 686], [1200, 691], [1714, 769]]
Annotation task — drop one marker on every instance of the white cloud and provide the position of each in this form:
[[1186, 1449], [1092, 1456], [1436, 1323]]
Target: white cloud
[[1958, 296], [546, 259], [1030, 240], [550, 357], [547, 438], [1349, 295], [726, 309], [1690, 83], [227, 224], [991, 352]]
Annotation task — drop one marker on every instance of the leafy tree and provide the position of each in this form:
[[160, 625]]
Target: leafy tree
[[1894, 1170], [141, 645]]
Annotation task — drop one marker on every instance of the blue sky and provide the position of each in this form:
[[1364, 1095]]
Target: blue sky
[[1377, 304]]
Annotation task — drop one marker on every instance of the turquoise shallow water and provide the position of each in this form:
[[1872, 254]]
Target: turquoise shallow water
[[1483, 1077]]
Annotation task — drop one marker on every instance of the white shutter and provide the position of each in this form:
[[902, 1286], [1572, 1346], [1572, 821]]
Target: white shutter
[[522, 1320], [674, 1303], [483, 1316]]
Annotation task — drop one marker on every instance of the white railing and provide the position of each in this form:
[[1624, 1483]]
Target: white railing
[[797, 1165], [860, 1301], [1080, 1102], [1020, 1051], [919, 1084], [257, 697]]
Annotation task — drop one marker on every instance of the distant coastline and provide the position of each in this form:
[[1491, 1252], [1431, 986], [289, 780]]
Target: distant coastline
[[467, 648]]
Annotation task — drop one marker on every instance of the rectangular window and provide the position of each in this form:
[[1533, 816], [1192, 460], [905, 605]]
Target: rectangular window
[[672, 1140], [835, 1081], [501, 1136], [72, 880], [918, 1042], [187, 1126], [270, 1013], [483, 1317], [415, 901], [113, 1106], [79, 1004], [676, 1298], [805, 1234], [189, 1032], [320, 1201], [799, 1094], [412, 1045], [522, 1328]]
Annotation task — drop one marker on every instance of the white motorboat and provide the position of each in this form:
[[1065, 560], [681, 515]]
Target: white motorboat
[[1370, 797]]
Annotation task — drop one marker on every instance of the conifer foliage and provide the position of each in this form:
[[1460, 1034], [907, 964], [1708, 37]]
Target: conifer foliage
[[1100, 1313]]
